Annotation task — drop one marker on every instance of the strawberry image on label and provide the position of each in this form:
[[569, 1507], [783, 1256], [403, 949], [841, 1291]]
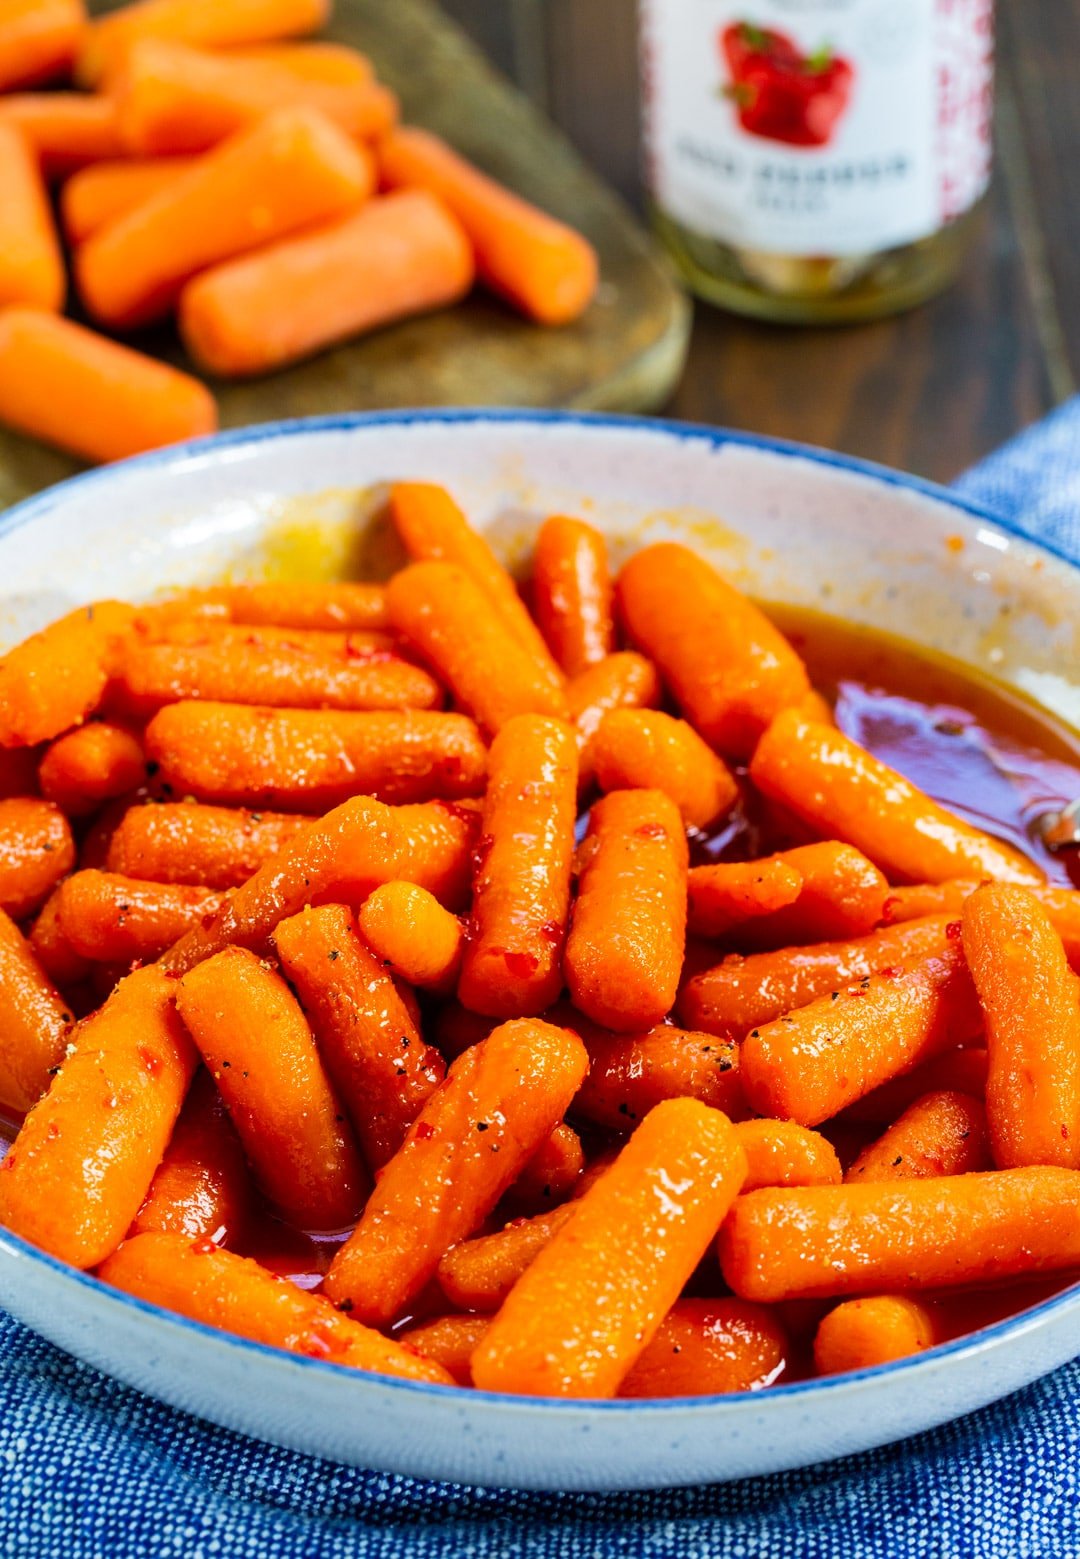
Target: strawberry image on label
[[780, 93]]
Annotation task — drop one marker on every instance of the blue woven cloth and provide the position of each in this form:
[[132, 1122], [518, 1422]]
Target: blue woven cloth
[[93, 1470]]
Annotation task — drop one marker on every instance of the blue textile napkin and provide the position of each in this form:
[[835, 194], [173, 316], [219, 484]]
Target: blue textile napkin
[[93, 1470]]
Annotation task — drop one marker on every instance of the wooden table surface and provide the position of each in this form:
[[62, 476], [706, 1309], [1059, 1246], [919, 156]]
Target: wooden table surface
[[932, 390]]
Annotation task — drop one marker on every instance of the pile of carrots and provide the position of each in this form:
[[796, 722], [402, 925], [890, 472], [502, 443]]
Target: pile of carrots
[[258, 188], [288, 943]]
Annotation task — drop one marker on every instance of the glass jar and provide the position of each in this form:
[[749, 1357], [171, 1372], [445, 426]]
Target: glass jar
[[817, 161]]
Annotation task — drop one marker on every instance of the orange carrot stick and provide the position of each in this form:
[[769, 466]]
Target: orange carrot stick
[[648, 750], [478, 1274], [68, 386], [540, 265], [625, 680], [55, 678], [582, 1314], [227, 24], [861, 1333], [727, 897], [521, 885], [111, 919], [572, 593], [628, 924], [780, 1153], [290, 170], [1031, 1003], [92, 764], [202, 1187], [942, 1133], [730, 670], [705, 1347], [214, 847], [957, 1071], [64, 130], [101, 193], [31, 265], [821, 1241], [34, 1022], [498, 1104], [36, 849], [554, 1169], [927, 898], [340, 606], [409, 931], [259, 1050], [448, 1341], [85, 1155], [51, 948], [235, 1294], [38, 40], [841, 894], [157, 628]]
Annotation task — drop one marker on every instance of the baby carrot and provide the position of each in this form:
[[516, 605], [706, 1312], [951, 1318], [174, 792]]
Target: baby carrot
[[113, 919], [290, 170], [630, 1073], [227, 24], [55, 678], [478, 1274], [957, 1071], [94, 763], [861, 1333], [36, 850], [51, 947], [730, 670], [99, 194], [728, 896], [409, 931], [544, 268], [365, 1033], [705, 1347], [649, 750], [554, 1169], [782, 1153], [448, 1341], [624, 680], [202, 1187], [572, 593], [85, 1155], [236, 1294], [156, 629], [628, 926], [499, 1102], [215, 847], [927, 898], [521, 885], [339, 606], [821, 1241], [841, 895], [38, 40], [582, 1314], [31, 265], [259, 1050], [942, 1133], [34, 1022], [68, 386], [312, 759], [1030, 1000], [64, 130]]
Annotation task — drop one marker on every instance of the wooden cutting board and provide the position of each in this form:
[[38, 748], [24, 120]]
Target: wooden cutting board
[[625, 354]]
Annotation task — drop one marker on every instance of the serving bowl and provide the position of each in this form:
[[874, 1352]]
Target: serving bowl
[[789, 524]]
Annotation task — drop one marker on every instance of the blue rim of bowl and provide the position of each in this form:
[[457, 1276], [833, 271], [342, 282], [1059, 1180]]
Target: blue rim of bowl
[[999, 1332]]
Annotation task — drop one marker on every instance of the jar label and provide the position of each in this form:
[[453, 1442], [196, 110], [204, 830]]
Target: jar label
[[817, 127]]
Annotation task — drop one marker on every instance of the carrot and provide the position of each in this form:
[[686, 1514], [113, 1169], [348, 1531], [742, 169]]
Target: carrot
[[68, 386], [157, 627], [448, 1341], [51, 948], [367, 1038], [782, 1153], [572, 593], [628, 925], [624, 680], [730, 670], [290, 170], [649, 750], [38, 40], [36, 849], [31, 265], [840, 895], [541, 266], [478, 1274], [1031, 1003], [448, 617], [64, 130], [34, 1022], [413, 936], [521, 884], [340, 606], [202, 1187], [227, 24], [821, 1241], [85, 1155], [101, 193], [584, 1311], [92, 764], [554, 1170], [727, 897], [235, 1294], [705, 1347], [861, 1333], [259, 1050], [498, 1104], [919, 899], [815, 706], [213, 847], [942, 1133], [111, 919]]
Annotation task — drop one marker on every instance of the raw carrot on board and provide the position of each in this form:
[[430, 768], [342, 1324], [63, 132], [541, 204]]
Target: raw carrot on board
[[31, 264], [104, 191], [34, 1022], [112, 919], [397, 256], [38, 40], [863, 1332], [59, 960], [68, 386], [226, 24], [649, 750], [64, 130], [942, 1133], [92, 764], [36, 850], [182, 841], [783, 1153], [413, 935], [572, 593], [536, 262], [478, 1274], [202, 1187], [339, 605], [841, 894]]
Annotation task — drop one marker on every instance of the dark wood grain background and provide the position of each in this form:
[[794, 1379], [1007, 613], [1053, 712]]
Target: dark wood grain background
[[931, 391]]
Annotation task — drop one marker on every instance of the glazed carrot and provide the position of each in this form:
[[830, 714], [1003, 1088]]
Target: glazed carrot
[[202, 1187], [628, 925], [38, 40], [478, 1274], [498, 1104], [214, 847], [18, 772], [68, 386], [839, 788], [36, 849], [454, 1030], [814, 706], [440, 609], [705, 1347], [572, 593], [413, 936], [101, 193], [821, 1241], [113, 919], [726, 897], [840, 895], [957, 1071], [584, 1311], [649, 750], [811, 1063], [339, 606], [742, 993], [366, 1036], [927, 898], [1030, 1000], [259, 1050], [521, 884], [448, 1341], [85, 1155], [625, 680], [290, 170], [730, 670], [31, 265], [942, 1133], [863, 1332], [34, 1021], [544, 268], [313, 759], [554, 1170], [51, 948], [782, 1153], [227, 24], [205, 631], [236, 1294], [94, 763]]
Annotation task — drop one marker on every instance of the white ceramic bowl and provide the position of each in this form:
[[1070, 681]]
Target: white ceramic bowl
[[790, 524]]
